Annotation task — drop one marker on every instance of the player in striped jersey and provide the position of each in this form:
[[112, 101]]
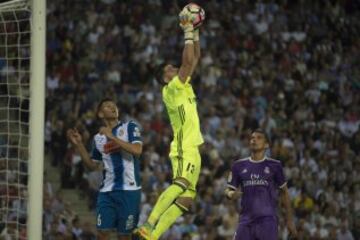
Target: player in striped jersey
[[260, 178], [116, 151], [180, 101]]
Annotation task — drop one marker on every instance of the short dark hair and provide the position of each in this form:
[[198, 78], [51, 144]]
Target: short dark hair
[[98, 108], [159, 73], [261, 131]]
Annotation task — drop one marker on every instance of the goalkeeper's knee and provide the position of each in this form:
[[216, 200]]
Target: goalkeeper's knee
[[185, 200]]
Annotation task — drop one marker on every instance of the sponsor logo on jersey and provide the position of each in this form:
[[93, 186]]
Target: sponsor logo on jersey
[[111, 147], [255, 181]]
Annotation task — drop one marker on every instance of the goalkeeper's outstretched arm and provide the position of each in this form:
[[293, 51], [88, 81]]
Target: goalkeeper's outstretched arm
[[197, 52], [188, 56]]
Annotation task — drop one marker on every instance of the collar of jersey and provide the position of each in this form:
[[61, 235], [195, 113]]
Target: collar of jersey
[[257, 161]]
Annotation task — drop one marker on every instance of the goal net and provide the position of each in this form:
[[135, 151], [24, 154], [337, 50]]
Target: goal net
[[15, 36]]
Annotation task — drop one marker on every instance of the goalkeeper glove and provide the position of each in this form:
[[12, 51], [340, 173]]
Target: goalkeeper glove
[[186, 23]]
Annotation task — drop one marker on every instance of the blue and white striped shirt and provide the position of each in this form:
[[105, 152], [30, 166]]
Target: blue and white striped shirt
[[121, 169]]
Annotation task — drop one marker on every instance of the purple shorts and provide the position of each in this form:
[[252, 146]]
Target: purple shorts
[[262, 229]]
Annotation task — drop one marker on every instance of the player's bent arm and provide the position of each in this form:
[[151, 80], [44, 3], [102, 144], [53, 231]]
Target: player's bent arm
[[232, 193], [85, 157], [133, 148]]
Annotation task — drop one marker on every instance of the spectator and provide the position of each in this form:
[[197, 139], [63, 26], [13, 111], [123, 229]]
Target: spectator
[[344, 233]]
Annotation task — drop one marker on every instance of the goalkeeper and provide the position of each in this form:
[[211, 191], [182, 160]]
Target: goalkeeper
[[180, 101]]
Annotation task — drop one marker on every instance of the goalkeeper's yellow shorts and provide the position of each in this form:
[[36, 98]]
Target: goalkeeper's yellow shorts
[[186, 164]]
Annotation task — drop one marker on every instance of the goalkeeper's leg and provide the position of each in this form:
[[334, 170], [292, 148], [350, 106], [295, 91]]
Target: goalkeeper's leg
[[177, 198], [165, 200], [178, 187], [190, 172], [181, 205]]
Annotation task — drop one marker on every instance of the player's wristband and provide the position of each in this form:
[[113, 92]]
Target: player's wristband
[[196, 35]]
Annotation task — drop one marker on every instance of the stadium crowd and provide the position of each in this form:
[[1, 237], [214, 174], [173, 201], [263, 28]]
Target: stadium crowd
[[290, 67]]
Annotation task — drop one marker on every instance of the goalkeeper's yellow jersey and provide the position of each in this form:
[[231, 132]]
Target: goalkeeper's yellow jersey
[[180, 101]]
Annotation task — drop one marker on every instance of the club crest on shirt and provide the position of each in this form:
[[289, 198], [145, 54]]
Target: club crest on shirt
[[244, 171], [267, 170], [136, 132]]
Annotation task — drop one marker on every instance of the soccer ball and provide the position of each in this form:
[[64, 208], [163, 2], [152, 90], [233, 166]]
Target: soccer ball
[[198, 14]]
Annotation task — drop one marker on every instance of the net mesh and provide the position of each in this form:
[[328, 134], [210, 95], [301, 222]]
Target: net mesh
[[15, 32]]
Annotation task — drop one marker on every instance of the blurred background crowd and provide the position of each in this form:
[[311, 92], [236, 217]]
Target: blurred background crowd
[[289, 67]]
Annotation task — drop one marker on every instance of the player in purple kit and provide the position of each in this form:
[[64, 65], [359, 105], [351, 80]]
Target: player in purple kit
[[260, 179]]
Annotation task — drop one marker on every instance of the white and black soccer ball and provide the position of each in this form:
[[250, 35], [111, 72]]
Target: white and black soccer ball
[[198, 14]]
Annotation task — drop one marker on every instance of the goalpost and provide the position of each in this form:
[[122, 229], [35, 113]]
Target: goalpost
[[22, 107]]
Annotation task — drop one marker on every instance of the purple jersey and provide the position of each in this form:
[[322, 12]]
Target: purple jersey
[[259, 182]]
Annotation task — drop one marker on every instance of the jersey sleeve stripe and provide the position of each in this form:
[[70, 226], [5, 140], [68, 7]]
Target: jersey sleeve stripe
[[137, 141], [178, 168], [179, 143], [181, 165], [181, 114], [183, 111], [180, 153]]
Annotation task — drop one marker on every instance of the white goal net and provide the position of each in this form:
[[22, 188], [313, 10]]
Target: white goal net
[[15, 35]]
